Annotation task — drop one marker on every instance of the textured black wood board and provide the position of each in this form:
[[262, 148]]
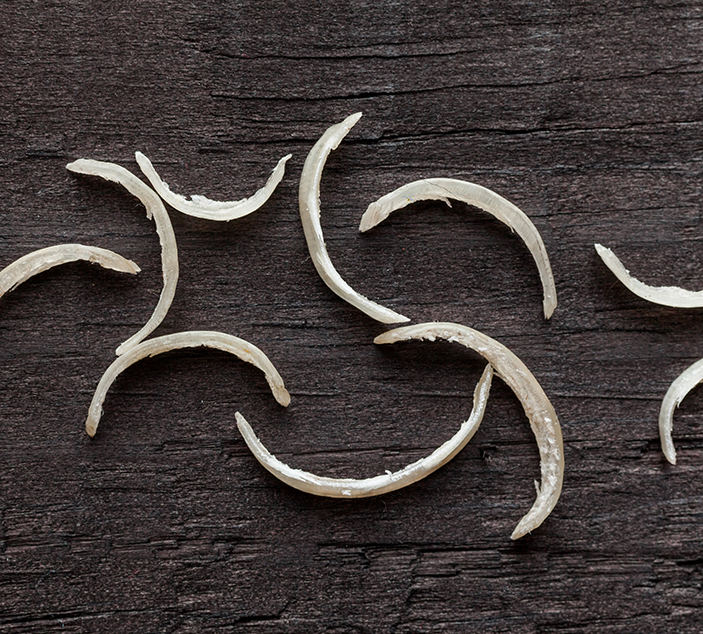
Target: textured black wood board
[[586, 115]]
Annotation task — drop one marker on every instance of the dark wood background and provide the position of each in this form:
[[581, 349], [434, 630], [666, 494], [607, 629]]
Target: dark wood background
[[586, 115]]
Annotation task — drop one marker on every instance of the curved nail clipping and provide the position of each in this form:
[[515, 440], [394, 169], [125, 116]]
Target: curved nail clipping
[[156, 210], [446, 189], [202, 207], [309, 200], [191, 339], [540, 413], [352, 488], [665, 295], [44, 259]]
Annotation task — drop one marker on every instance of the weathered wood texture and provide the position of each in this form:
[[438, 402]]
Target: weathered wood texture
[[586, 115]]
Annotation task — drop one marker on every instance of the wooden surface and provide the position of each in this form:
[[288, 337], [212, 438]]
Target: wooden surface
[[586, 115]]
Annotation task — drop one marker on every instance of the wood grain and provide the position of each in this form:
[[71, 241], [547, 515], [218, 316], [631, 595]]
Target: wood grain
[[586, 115]]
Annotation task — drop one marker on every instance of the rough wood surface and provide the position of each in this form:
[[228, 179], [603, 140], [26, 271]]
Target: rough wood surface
[[586, 115]]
